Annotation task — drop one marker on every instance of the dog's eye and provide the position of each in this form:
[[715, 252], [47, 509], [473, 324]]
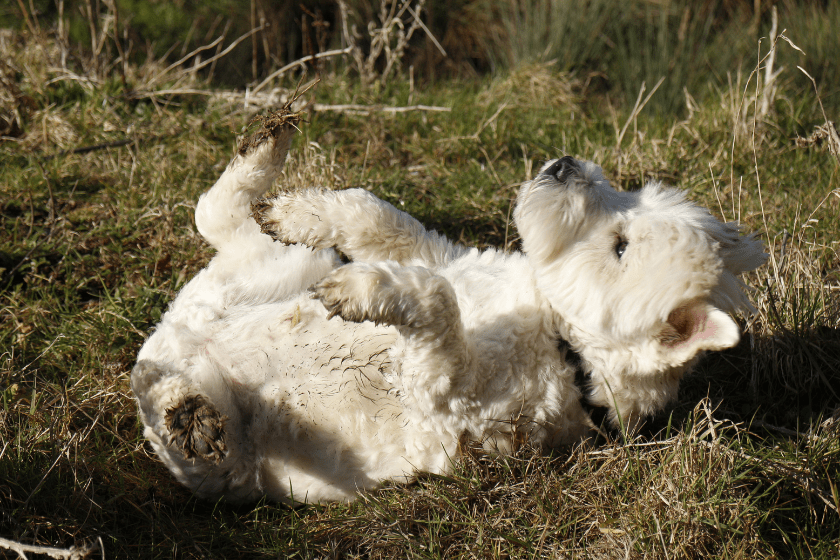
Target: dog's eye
[[620, 247]]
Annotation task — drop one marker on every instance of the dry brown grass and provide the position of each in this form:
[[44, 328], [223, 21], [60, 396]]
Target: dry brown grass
[[688, 495], [536, 83]]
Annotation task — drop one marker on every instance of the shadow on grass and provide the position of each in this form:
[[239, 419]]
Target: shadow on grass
[[790, 380]]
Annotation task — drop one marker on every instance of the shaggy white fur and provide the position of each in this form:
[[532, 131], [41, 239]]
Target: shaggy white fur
[[280, 371]]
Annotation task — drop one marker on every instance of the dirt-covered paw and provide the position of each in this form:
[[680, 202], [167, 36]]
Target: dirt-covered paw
[[273, 216], [268, 218], [197, 429], [277, 126], [290, 219], [348, 291]]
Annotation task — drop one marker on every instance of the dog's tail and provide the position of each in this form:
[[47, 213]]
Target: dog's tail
[[223, 213]]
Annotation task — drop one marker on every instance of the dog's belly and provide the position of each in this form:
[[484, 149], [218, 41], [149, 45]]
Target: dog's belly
[[323, 409], [312, 409]]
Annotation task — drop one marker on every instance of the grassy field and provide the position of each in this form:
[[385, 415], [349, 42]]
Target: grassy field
[[95, 243]]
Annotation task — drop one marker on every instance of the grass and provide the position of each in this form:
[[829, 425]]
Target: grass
[[689, 45], [94, 245]]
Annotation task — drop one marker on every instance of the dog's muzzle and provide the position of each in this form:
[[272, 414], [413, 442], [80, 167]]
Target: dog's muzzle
[[563, 168]]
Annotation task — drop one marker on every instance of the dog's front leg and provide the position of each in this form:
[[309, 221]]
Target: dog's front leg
[[355, 222], [434, 360]]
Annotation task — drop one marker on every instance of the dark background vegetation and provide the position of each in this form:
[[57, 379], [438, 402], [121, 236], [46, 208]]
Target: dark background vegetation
[[612, 46]]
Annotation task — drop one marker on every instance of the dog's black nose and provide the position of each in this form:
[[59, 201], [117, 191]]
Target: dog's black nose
[[563, 168]]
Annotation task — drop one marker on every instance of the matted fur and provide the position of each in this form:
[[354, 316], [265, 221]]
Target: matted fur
[[280, 371]]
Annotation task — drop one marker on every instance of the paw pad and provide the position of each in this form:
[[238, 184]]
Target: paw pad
[[198, 429]]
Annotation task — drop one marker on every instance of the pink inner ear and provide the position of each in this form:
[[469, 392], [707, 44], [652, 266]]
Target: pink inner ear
[[692, 326]]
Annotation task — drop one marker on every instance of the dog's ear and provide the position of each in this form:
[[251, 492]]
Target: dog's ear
[[694, 327], [740, 253]]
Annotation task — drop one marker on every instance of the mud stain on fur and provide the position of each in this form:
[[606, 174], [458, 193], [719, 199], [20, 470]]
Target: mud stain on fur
[[259, 209], [198, 429]]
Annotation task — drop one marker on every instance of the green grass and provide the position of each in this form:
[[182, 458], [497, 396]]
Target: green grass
[[94, 246]]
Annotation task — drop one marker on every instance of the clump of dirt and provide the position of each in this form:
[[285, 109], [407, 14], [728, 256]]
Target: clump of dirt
[[271, 125]]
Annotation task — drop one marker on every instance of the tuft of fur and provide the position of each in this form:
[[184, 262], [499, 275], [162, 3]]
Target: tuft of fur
[[280, 371]]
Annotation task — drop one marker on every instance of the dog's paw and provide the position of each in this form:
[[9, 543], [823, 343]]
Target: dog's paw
[[269, 220], [290, 219], [348, 293], [273, 214], [388, 294], [277, 126], [197, 429]]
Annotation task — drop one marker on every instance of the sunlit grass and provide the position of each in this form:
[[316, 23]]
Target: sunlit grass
[[93, 247]]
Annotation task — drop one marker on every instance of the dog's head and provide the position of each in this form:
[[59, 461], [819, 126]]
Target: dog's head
[[644, 281]]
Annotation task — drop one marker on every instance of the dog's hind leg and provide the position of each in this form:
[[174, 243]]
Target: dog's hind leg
[[195, 427], [249, 265], [355, 222], [435, 362], [223, 213]]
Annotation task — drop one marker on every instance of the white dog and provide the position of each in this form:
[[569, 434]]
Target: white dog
[[280, 371]]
